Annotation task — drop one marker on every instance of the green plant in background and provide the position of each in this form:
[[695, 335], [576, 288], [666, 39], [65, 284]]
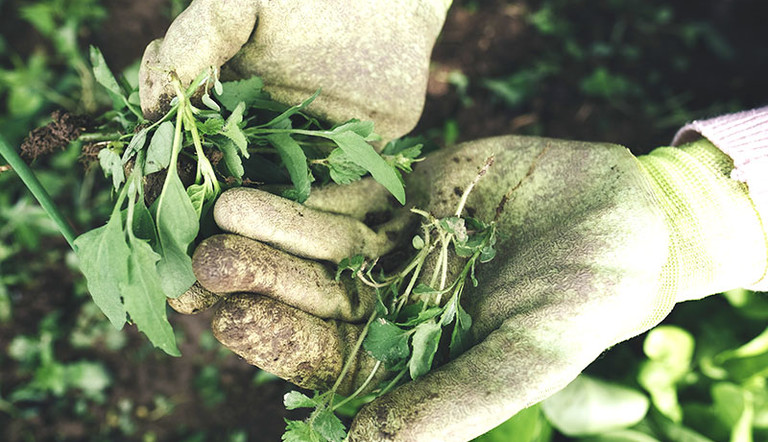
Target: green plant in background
[[35, 355], [55, 74]]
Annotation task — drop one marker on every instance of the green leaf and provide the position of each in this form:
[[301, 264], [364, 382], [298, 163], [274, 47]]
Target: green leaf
[[362, 128], [387, 342], [362, 153], [342, 169], [353, 263], [233, 131], [112, 166], [671, 346], [291, 111], [329, 426], [143, 224], [211, 126], [420, 316], [144, 298], [103, 75], [177, 226], [137, 142], [748, 361], [295, 161], [103, 255], [232, 158], [295, 399], [590, 406], [455, 226], [461, 337], [669, 350], [159, 150], [196, 193], [425, 341], [245, 91], [300, 431], [528, 425], [209, 103]]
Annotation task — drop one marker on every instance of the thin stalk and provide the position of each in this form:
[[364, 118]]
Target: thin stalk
[[351, 358], [38, 191], [488, 163], [361, 387]]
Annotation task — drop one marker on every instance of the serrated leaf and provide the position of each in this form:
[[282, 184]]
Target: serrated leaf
[[401, 145], [159, 150], [144, 299], [177, 226], [342, 169], [103, 255], [329, 426], [300, 431], [211, 126], [387, 342], [425, 341], [295, 399], [362, 153], [295, 161], [404, 160], [112, 166], [233, 131], [245, 91]]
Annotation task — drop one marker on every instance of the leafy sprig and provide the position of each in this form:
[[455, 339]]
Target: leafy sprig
[[413, 312], [142, 255]]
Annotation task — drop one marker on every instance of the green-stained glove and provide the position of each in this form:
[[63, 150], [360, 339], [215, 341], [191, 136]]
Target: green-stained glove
[[370, 58], [595, 246]]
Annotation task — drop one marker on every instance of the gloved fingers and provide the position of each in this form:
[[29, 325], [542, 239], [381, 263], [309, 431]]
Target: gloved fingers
[[206, 34], [195, 300], [294, 345], [298, 229], [361, 199], [227, 264]]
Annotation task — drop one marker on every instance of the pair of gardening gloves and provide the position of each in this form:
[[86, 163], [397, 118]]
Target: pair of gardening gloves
[[595, 246]]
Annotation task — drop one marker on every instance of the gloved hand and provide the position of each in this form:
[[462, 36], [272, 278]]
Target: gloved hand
[[370, 58], [595, 246]]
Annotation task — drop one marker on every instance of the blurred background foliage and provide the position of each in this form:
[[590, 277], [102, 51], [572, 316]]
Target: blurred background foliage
[[623, 71]]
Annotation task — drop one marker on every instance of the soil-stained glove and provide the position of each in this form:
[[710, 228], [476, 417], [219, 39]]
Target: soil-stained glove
[[595, 246], [370, 57]]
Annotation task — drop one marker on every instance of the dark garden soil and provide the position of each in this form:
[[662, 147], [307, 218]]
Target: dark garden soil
[[483, 39]]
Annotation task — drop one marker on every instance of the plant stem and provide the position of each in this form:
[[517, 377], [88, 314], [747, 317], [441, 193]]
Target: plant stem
[[352, 356], [38, 191]]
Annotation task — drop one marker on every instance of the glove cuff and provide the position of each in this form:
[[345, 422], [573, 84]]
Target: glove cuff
[[743, 136]]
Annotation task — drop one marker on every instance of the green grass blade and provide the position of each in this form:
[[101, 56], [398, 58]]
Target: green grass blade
[[33, 184]]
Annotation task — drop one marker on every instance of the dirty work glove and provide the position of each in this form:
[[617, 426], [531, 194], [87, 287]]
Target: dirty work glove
[[595, 246], [370, 58]]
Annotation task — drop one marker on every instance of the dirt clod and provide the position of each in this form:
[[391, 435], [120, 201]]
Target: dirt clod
[[55, 135]]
